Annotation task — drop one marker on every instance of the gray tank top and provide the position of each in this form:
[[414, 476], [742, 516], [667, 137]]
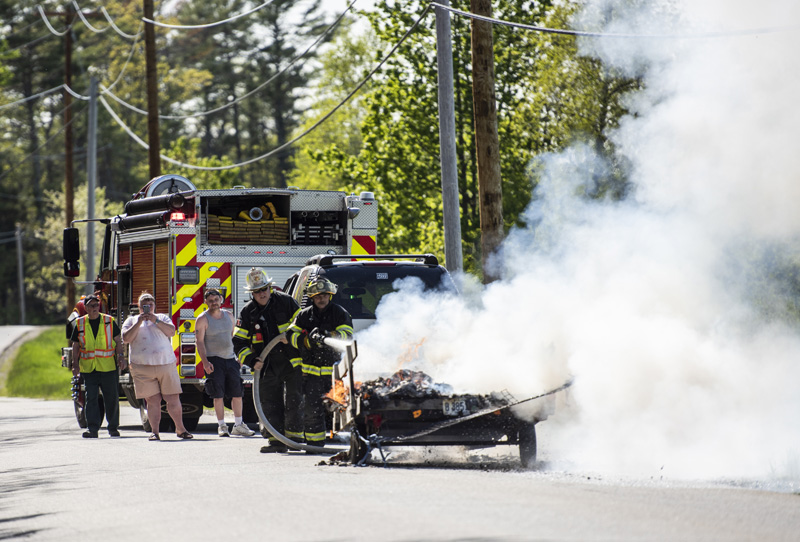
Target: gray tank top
[[219, 336]]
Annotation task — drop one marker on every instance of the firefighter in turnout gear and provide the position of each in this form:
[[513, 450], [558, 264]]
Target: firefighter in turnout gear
[[268, 314], [323, 318]]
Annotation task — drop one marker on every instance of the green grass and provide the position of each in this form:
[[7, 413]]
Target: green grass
[[36, 370]]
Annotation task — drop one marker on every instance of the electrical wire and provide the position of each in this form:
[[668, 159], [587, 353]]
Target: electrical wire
[[245, 96], [49, 139], [209, 25], [49, 26], [747, 32], [276, 150], [90, 27], [29, 44], [29, 98], [116, 29]]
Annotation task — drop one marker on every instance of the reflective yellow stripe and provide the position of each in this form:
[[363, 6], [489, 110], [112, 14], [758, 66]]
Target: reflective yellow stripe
[[243, 354], [241, 333], [296, 362], [311, 370], [315, 436], [294, 435], [284, 327], [326, 370], [345, 331]]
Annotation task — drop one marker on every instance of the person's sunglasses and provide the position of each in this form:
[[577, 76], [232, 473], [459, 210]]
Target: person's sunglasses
[[261, 290]]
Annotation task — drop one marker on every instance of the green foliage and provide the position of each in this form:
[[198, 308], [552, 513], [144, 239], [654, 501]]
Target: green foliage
[[36, 370], [547, 97]]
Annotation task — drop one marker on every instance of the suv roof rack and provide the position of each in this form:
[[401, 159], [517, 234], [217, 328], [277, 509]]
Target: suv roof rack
[[327, 259]]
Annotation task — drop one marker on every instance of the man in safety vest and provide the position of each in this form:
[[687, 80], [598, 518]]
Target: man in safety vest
[[97, 349], [322, 319], [265, 317]]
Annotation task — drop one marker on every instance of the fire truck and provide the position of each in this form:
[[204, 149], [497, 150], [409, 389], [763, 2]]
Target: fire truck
[[175, 241]]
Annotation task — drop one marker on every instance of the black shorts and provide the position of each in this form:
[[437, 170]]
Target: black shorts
[[226, 380]]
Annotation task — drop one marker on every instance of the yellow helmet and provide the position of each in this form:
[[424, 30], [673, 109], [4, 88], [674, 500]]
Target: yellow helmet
[[256, 279], [320, 285]]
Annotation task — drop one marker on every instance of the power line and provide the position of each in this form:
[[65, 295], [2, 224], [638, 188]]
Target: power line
[[49, 26], [85, 22], [581, 33], [276, 150], [49, 139], [247, 95], [33, 97], [116, 29], [194, 26]]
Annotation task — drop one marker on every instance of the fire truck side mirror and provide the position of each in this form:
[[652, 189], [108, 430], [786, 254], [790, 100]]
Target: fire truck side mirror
[[72, 252]]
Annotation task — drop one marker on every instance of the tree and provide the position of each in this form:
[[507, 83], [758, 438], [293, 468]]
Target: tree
[[547, 98]]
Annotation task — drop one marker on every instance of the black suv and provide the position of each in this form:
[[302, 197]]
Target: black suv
[[362, 280]]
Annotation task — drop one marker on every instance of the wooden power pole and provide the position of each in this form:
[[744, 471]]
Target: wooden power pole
[[151, 70], [69, 181], [487, 141]]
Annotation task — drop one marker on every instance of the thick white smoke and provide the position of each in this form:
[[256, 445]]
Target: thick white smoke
[[668, 308]]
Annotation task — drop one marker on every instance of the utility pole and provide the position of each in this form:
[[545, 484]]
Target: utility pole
[[152, 91], [20, 275], [447, 142], [91, 182], [69, 181], [487, 141]]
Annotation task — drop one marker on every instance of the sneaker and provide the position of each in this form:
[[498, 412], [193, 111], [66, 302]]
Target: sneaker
[[89, 434], [275, 448], [113, 433], [222, 431], [242, 430]]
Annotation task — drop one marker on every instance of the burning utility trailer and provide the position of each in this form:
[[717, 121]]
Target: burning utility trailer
[[410, 409]]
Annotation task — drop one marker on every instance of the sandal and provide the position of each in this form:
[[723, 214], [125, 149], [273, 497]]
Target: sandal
[[185, 435], [154, 437]]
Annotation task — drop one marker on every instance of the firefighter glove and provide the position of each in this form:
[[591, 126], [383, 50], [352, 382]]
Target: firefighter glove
[[317, 335]]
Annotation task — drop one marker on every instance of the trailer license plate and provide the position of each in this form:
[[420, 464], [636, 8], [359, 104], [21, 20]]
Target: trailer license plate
[[454, 407]]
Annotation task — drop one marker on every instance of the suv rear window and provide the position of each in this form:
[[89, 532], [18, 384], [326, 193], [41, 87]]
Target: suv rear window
[[361, 287]]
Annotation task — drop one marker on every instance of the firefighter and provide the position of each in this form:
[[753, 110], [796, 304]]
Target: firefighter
[[323, 318], [267, 315], [97, 349]]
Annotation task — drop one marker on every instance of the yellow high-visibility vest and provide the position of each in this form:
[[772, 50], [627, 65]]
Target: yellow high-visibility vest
[[97, 352]]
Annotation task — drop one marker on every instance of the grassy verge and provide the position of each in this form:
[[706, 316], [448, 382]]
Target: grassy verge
[[36, 370]]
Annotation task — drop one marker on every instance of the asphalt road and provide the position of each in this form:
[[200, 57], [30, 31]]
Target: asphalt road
[[55, 485]]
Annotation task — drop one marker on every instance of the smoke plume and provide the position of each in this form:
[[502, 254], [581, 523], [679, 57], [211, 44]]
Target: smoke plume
[[673, 310]]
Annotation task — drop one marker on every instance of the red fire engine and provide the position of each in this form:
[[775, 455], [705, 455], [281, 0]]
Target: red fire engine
[[175, 241]]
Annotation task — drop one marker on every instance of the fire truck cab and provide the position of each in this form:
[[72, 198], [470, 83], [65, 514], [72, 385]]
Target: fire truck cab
[[175, 241]]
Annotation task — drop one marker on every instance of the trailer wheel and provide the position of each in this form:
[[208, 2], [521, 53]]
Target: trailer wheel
[[80, 415], [358, 449], [527, 445]]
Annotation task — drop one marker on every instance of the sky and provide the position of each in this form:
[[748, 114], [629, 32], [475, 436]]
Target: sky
[[667, 309]]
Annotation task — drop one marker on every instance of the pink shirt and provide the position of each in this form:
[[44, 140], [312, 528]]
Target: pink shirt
[[151, 346]]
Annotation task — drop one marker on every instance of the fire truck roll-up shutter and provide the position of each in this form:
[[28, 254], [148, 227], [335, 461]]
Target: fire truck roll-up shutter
[[150, 272]]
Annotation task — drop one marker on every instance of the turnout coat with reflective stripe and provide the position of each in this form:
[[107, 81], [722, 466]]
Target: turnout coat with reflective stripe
[[97, 352], [258, 325], [318, 361]]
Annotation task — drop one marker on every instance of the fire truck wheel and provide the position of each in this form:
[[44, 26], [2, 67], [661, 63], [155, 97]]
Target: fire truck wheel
[[527, 445], [358, 449]]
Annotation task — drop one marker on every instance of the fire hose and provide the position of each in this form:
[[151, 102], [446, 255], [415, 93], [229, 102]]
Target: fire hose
[[263, 418]]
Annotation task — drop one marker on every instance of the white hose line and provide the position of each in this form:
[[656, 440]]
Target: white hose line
[[263, 418]]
